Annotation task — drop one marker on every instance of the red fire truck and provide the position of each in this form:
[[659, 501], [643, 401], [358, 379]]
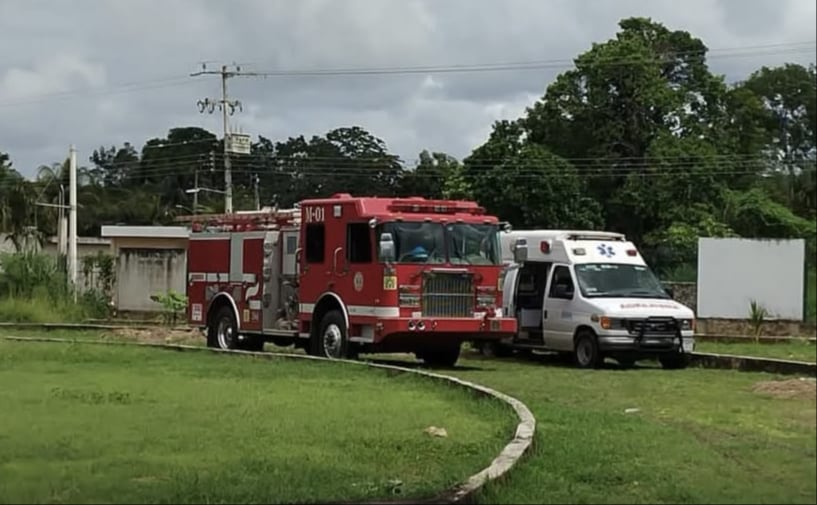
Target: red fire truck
[[345, 275]]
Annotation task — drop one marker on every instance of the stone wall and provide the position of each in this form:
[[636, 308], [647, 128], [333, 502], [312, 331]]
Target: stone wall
[[685, 293]]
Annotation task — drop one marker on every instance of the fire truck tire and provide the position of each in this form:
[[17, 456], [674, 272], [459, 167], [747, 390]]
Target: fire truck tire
[[252, 344], [332, 339], [445, 357], [223, 332]]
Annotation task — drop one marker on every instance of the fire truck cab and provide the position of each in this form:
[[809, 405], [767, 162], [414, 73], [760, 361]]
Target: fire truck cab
[[345, 275]]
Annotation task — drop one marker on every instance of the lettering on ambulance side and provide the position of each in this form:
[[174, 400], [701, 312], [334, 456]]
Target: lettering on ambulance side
[[314, 214]]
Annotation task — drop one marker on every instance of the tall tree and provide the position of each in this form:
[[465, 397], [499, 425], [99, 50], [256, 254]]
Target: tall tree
[[528, 185], [345, 160], [113, 166], [432, 176], [625, 95]]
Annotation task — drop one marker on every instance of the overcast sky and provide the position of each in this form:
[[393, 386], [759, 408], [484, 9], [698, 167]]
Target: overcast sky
[[125, 64]]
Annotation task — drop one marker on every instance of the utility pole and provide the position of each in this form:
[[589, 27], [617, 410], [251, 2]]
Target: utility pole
[[72, 213], [257, 187], [209, 105], [196, 194]]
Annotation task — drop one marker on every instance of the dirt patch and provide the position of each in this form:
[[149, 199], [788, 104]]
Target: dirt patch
[[161, 335], [801, 389]]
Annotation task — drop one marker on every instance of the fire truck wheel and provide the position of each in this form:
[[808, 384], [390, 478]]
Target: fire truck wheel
[[332, 341], [223, 333], [446, 357]]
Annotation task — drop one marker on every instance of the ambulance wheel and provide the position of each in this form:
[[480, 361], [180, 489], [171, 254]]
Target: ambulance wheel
[[332, 340], [586, 350], [223, 332], [674, 361]]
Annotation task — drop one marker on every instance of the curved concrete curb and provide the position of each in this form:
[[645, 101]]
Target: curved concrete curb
[[461, 493], [753, 364], [86, 326]]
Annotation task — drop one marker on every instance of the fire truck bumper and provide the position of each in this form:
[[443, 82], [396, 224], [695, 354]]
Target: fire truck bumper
[[483, 328]]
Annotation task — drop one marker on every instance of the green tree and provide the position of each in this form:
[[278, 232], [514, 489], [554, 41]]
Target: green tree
[[345, 160], [531, 187], [17, 209], [432, 177], [114, 166], [623, 96], [788, 125]]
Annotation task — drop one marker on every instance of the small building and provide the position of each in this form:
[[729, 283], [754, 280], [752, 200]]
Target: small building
[[150, 260]]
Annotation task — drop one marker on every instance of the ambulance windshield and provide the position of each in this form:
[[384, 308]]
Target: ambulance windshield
[[457, 243], [610, 280]]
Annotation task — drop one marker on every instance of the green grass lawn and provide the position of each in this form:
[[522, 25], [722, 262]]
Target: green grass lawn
[[88, 424], [798, 350], [697, 436]]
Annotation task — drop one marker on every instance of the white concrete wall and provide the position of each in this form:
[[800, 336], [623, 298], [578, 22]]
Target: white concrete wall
[[732, 272], [142, 272]]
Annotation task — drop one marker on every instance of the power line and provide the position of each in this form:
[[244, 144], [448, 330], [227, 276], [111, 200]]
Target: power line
[[172, 81], [160, 83], [770, 49], [512, 172]]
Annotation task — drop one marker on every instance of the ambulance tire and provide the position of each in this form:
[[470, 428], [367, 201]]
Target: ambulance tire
[[586, 352], [332, 339], [674, 361], [223, 333]]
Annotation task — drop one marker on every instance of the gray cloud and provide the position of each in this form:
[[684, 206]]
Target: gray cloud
[[99, 45]]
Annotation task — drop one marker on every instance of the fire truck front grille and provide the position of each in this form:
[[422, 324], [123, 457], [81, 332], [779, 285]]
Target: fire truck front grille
[[448, 295]]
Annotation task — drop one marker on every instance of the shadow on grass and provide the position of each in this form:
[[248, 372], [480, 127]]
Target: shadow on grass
[[561, 360]]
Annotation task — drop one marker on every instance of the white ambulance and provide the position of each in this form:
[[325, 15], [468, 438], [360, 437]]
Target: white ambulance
[[590, 294]]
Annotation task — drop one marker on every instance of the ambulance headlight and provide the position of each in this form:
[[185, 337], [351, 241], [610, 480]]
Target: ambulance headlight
[[687, 324], [609, 323]]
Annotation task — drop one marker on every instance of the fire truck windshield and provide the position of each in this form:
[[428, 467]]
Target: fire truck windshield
[[473, 244], [457, 243]]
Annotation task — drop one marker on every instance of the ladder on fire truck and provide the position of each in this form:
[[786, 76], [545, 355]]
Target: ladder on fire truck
[[265, 219]]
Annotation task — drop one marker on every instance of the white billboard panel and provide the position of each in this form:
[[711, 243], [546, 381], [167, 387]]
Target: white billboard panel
[[734, 271]]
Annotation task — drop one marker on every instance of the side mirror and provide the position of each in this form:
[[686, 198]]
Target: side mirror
[[520, 251], [387, 248], [670, 291], [562, 291], [505, 226]]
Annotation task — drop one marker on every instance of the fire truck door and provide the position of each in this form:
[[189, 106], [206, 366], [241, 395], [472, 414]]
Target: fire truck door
[[272, 275]]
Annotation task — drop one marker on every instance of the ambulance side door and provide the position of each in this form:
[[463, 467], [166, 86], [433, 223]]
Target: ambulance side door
[[557, 317]]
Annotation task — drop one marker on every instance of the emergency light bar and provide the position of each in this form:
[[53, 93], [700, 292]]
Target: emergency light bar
[[435, 207], [242, 220]]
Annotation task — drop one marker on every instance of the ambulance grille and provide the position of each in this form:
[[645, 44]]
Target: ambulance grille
[[447, 294]]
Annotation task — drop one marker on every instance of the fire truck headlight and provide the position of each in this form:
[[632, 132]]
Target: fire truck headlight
[[409, 300], [484, 300]]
